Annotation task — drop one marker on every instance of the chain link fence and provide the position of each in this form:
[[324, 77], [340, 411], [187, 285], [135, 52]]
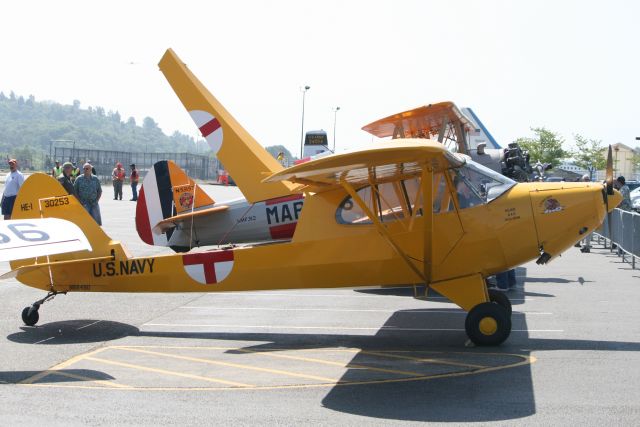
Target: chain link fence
[[195, 165]]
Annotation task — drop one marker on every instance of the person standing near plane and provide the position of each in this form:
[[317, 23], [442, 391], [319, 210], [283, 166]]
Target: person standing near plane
[[12, 185], [89, 191], [75, 171], [621, 186], [118, 178], [57, 170], [65, 178], [586, 242], [133, 179]]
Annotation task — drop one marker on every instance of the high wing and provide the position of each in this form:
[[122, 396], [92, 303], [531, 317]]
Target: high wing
[[29, 238], [388, 162], [443, 122]]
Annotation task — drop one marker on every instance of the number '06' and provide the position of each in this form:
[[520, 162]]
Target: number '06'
[[28, 235]]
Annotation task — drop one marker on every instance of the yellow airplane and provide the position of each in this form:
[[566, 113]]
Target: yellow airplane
[[404, 212]]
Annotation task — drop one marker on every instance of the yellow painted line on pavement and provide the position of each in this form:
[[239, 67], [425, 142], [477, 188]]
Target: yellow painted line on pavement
[[329, 362], [232, 365], [85, 378], [526, 360], [40, 375], [423, 359], [165, 372]]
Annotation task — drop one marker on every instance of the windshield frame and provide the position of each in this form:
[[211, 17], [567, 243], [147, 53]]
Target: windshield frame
[[495, 191]]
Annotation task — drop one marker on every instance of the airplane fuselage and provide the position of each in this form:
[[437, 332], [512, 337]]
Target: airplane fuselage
[[242, 222]]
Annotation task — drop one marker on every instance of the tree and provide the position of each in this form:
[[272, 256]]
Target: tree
[[149, 124], [636, 159], [546, 147], [589, 154]]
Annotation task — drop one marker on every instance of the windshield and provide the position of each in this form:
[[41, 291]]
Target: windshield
[[483, 182]]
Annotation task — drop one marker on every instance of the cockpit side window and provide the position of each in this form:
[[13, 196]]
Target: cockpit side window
[[468, 194], [394, 201]]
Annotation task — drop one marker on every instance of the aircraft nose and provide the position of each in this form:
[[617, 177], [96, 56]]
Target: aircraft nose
[[614, 200]]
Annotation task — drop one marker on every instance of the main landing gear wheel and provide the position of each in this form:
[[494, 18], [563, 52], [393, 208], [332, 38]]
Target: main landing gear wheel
[[488, 323], [30, 315], [500, 299]]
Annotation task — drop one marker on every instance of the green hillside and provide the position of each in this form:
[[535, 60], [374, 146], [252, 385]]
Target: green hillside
[[27, 128]]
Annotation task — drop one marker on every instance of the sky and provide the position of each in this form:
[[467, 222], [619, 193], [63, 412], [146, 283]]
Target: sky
[[571, 66]]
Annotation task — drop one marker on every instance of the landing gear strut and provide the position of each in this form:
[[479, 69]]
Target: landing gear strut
[[30, 314]]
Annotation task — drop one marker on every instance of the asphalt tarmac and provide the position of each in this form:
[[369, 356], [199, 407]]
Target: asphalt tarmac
[[330, 357]]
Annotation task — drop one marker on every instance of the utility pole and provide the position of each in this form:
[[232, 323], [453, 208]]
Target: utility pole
[[335, 117], [304, 92]]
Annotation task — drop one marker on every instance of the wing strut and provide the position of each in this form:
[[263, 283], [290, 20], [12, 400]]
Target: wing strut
[[383, 230], [427, 212]]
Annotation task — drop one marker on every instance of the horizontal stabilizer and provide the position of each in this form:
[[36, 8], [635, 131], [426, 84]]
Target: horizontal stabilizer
[[171, 222], [28, 238]]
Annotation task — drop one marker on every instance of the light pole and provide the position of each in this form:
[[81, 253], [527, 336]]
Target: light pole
[[304, 92], [335, 117]]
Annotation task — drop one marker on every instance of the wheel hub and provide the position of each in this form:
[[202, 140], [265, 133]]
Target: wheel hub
[[488, 326]]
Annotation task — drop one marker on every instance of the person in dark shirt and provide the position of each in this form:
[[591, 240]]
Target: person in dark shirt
[[66, 178]]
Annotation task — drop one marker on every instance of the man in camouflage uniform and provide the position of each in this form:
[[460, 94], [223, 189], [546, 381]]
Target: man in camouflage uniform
[[89, 191]]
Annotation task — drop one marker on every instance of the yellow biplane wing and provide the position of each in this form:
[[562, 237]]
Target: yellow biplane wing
[[443, 122]]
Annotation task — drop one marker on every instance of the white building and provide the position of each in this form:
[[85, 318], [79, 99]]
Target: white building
[[570, 166]]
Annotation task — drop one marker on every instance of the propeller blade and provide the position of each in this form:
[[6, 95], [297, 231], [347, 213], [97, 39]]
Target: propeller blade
[[609, 175]]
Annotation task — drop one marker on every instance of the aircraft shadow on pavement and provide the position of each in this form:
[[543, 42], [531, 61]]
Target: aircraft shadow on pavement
[[504, 393], [73, 332], [56, 376]]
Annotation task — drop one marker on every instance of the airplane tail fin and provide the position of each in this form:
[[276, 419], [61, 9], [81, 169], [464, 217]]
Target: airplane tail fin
[[43, 197], [245, 160], [166, 191], [480, 134]]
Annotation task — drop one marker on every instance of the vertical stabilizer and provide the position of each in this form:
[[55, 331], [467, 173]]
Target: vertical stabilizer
[[166, 191], [247, 162]]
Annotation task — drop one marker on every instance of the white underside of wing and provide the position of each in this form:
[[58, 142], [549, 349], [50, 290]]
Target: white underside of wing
[[30, 238]]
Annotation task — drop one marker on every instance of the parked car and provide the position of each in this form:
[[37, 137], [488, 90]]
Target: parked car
[[633, 185], [635, 199]]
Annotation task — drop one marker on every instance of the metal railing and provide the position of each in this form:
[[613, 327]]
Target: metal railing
[[625, 234]]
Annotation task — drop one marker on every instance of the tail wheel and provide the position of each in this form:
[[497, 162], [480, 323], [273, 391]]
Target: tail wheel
[[30, 316], [500, 299], [488, 323]]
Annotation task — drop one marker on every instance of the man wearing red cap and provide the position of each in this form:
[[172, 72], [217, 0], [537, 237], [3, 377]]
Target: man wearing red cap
[[118, 175], [12, 185]]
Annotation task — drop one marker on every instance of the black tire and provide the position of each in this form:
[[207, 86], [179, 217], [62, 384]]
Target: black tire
[[501, 299], [488, 324], [180, 249], [30, 319]]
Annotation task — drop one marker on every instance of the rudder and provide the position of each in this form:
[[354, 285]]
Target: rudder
[[166, 191], [246, 160]]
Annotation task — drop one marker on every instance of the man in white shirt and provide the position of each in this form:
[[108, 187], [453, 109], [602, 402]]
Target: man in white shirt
[[12, 185]]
